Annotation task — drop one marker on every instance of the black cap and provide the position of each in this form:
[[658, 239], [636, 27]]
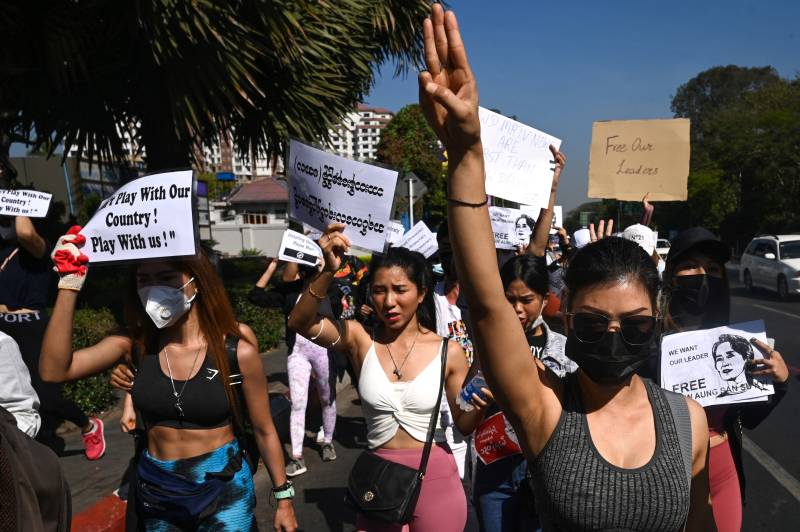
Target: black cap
[[701, 239]]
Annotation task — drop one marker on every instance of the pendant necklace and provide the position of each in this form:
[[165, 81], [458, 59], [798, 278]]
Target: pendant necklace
[[176, 393], [398, 371]]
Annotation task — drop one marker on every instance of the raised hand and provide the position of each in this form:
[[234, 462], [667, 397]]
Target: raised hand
[[68, 260], [647, 210], [448, 93], [772, 365], [560, 160], [334, 245], [604, 230]]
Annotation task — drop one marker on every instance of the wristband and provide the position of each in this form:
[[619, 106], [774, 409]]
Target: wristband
[[285, 491], [468, 204]]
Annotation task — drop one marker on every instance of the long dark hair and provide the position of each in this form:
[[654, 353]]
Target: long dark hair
[[532, 271], [215, 316], [419, 272], [609, 261]]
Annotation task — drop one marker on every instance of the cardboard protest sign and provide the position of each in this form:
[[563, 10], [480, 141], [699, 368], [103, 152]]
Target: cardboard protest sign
[[394, 232], [325, 188], [558, 215], [511, 227], [149, 218], [710, 365], [421, 239], [495, 439], [519, 164], [299, 248], [629, 158], [24, 203]]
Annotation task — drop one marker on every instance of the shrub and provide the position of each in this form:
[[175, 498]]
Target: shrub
[[93, 394], [250, 252], [267, 324]]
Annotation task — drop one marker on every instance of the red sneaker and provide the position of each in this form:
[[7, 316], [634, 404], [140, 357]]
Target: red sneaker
[[94, 441]]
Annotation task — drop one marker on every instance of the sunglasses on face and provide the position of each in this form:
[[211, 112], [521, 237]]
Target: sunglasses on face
[[635, 330]]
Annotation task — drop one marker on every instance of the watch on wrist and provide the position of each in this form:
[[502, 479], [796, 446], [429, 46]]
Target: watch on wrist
[[284, 491]]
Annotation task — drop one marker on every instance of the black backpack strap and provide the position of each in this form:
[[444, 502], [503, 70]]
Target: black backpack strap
[[683, 426], [231, 348], [426, 452]]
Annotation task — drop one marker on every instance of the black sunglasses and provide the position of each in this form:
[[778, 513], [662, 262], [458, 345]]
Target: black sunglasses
[[636, 330]]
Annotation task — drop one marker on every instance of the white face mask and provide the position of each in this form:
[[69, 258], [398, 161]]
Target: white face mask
[[164, 304]]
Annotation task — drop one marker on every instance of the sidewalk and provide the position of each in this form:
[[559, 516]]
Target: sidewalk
[[97, 509]]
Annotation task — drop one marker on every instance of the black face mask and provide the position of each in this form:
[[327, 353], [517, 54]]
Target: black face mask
[[699, 302], [609, 361]]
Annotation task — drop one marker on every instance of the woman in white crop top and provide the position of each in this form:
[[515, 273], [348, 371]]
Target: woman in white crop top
[[398, 364]]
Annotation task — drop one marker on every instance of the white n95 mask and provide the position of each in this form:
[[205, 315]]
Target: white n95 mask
[[164, 304]]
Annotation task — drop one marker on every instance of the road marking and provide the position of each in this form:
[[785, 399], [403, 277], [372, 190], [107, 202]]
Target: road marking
[[784, 478], [776, 311]]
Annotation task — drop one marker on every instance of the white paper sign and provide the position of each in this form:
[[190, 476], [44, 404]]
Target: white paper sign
[[558, 217], [421, 239], [299, 248], [519, 164], [325, 188], [511, 227], [312, 232], [394, 232], [29, 203], [150, 217], [710, 366]]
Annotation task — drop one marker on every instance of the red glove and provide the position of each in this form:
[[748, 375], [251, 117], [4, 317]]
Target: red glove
[[70, 263]]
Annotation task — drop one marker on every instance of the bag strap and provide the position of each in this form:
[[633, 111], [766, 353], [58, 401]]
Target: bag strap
[[426, 452], [235, 378], [683, 426]]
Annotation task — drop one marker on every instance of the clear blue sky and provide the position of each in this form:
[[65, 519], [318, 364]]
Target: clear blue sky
[[559, 66]]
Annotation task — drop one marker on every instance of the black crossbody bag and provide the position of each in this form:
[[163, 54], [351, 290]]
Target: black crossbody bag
[[388, 491]]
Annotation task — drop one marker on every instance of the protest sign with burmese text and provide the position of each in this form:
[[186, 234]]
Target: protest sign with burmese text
[[325, 188]]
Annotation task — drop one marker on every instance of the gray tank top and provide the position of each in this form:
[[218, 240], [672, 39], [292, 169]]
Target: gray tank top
[[577, 489]]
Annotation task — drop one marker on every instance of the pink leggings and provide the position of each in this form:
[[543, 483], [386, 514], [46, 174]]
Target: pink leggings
[[305, 357], [726, 497], [442, 505]]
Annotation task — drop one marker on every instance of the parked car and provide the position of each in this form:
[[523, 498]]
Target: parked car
[[662, 248], [772, 262]]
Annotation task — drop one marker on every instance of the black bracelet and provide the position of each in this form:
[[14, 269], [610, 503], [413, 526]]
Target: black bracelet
[[285, 486], [467, 204]]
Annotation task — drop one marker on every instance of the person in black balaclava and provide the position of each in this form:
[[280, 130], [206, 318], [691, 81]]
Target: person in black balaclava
[[696, 296]]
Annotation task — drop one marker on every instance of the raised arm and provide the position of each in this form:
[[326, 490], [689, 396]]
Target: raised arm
[[305, 318], [449, 98], [28, 237], [541, 231], [57, 362]]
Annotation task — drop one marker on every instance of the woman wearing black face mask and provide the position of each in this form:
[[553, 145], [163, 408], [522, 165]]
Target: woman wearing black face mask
[[696, 296], [604, 446]]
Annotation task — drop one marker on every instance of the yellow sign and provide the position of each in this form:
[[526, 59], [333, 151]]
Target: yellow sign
[[629, 158]]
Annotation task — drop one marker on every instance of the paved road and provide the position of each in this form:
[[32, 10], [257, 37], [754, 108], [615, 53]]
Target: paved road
[[772, 504]]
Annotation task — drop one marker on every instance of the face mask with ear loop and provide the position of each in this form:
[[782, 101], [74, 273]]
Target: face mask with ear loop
[[699, 302], [164, 304]]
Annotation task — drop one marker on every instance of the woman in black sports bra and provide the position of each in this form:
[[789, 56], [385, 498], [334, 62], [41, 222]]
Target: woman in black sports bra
[[179, 331]]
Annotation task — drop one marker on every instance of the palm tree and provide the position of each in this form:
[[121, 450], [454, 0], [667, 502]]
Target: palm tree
[[177, 73]]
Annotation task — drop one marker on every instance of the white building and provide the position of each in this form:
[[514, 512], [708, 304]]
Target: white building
[[359, 133]]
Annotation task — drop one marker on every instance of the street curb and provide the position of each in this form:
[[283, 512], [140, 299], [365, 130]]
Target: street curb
[[106, 515]]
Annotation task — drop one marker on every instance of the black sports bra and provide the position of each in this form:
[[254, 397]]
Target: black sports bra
[[203, 401]]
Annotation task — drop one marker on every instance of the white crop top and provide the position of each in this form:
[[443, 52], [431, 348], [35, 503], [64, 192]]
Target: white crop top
[[388, 405]]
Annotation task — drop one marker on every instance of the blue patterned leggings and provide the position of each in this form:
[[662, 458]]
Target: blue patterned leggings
[[236, 503]]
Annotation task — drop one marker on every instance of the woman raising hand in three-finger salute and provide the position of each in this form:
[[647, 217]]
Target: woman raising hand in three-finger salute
[[607, 449], [398, 363]]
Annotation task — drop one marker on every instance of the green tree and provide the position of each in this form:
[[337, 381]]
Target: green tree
[[409, 144], [174, 74]]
